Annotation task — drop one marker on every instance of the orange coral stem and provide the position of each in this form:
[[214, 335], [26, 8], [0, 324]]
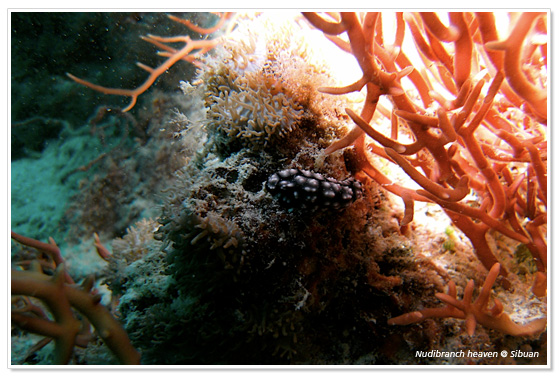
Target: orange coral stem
[[463, 49], [190, 45], [51, 249], [474, 312], [443, 33], [60, 298], [223, 18], [536, 97]]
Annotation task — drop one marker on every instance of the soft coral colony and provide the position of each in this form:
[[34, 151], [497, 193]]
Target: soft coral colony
[[466, 110], [493, 145]]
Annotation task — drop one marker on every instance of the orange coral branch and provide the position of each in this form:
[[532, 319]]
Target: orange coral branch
[[51, 249], [474, 312], [463, 49], [189, 52], [443, 33], [102, 251], [536, 97], [190, 45], [423, 46], [489, 33], [60, 296], [385, 141], [50, 290], [222, 19], [327, 27], [447, 194]]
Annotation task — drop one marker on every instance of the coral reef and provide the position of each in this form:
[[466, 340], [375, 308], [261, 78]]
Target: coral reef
[[227, 273]]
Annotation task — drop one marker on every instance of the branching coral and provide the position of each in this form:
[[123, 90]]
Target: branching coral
[[190, 52], [474, 312], [61, 296], [488, 139]]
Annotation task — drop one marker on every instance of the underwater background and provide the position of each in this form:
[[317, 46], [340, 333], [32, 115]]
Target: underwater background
[[171, 207], [51, 134]]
